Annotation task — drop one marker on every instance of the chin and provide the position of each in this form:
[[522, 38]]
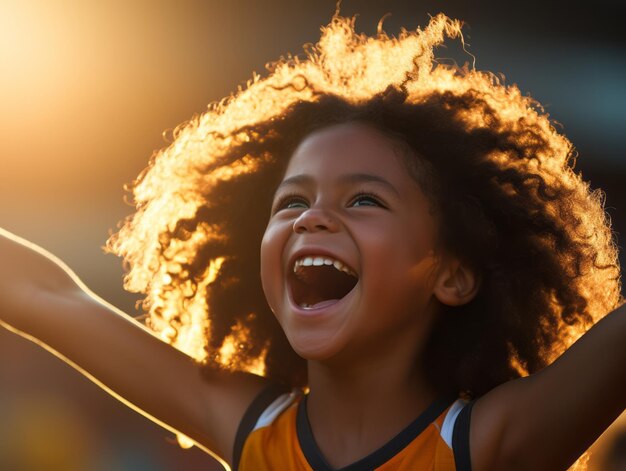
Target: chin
[[315, 347]]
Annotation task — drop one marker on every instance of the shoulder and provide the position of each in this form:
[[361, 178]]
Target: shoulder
[[455, 431], [453, 427], [498, 420], [264, 412], [438, 439]]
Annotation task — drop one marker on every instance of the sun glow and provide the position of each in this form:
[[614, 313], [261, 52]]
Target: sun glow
[[355, 67]]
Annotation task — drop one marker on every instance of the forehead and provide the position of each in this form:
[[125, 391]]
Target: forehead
[[347, 148]]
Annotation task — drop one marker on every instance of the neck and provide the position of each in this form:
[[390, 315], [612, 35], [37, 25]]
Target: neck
[[357, 406]]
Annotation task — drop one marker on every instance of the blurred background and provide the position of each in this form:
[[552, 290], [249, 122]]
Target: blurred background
[[89, 90]]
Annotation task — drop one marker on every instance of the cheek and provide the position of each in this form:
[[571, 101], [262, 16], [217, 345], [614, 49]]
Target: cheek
[[389, 245], [271, 276], [396, 255]]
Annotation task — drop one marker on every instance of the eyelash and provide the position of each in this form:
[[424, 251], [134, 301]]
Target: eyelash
[[285, 199], [288, 198]]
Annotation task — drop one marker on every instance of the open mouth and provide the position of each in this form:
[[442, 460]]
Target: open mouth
[[318, 281]]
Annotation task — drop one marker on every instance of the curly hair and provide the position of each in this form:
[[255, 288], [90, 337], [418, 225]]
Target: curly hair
[[499, 176]]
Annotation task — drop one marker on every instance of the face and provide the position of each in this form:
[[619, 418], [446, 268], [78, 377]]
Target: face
[[346, 257]]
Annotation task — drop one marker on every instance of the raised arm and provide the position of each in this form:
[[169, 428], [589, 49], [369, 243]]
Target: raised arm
[[44, 301], [547, 420]]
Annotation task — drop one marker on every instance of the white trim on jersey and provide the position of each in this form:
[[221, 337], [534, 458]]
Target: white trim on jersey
[[281, 403], [448, 423]]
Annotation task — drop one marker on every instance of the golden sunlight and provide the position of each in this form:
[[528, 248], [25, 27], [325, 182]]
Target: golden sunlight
[[347, 64]]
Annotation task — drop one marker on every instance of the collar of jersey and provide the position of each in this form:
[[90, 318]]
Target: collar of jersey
[[377, 458]]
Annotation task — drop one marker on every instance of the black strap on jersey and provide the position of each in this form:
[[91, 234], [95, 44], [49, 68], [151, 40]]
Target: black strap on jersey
[[377, 458], [251, 416], [460, 439]]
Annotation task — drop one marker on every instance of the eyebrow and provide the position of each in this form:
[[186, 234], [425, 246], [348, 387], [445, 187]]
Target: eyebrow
[[348, 178]]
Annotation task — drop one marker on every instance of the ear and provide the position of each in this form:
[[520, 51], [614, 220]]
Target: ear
[[456, 283]]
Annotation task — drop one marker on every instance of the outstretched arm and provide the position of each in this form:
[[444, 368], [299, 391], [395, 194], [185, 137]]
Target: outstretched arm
[[44, 301], [547, 420]]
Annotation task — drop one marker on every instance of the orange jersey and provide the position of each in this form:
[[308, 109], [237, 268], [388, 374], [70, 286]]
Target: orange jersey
[[275, 435]]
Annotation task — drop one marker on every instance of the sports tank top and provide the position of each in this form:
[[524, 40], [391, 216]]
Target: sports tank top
[[275, 434]]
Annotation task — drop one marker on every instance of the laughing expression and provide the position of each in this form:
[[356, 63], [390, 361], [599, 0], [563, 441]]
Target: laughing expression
[[345, 257]]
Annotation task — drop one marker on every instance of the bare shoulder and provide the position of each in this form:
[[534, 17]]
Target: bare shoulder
[[492, 439], [548, 419], [42, 300], [225, 396]]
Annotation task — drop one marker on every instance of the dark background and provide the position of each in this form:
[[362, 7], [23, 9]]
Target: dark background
[[87, 88]]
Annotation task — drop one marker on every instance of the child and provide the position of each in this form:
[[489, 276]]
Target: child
[[424, 245]]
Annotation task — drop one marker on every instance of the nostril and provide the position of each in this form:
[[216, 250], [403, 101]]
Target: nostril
[[299, 226], [314, 220]]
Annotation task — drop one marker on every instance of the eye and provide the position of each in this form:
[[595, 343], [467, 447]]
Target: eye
[[367, 199], [290, 201], [295, 203]]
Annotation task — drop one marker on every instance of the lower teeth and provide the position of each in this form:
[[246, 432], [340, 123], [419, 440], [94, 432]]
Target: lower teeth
[[313, 306]]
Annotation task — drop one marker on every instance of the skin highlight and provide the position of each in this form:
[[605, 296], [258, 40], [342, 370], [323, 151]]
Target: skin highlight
[[363, 351], [530, 263]]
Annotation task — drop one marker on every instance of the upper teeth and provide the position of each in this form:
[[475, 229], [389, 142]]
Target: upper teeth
[[319, 261]]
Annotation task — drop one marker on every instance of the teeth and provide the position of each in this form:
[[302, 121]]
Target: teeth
[[319, 261]]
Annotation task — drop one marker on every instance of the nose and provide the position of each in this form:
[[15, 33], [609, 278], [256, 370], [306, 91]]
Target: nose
[[313, 220]]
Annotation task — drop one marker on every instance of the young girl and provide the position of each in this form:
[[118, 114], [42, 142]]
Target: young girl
[[426, 250]]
